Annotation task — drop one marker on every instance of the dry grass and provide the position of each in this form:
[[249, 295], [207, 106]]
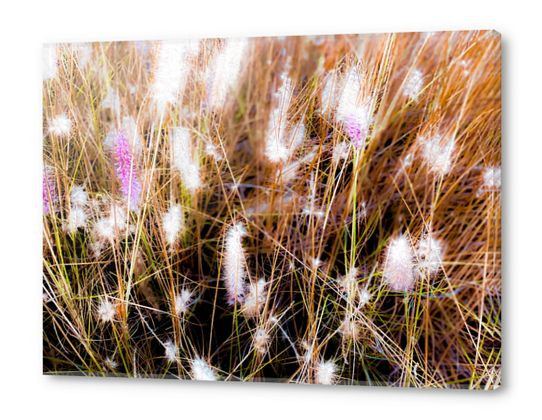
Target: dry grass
[[308, 229]]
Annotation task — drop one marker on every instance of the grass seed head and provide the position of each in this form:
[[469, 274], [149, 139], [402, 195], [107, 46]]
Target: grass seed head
[[172, 224], [201, 371], [107, 311], [398, 271], [234, 263], [60, 126], [171, 350], [325, 373], [414, 85], [182, 301], [183, 161]]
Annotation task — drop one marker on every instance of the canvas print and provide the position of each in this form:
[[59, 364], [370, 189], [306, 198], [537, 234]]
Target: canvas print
[[310, 210]]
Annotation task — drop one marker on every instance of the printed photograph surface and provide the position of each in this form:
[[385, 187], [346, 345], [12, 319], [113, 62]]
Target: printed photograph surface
[[310, 209]]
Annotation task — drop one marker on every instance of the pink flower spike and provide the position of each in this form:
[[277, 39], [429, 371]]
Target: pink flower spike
[[358, 126], [127, 172], [49, 191]]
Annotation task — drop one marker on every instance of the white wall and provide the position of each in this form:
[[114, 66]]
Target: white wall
[[26, 26]]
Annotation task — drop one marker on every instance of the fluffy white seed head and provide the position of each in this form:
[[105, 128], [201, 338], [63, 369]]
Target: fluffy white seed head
[[355, 107], [359, 122], [224, 72], [349, 329], [131, 133], [364, 297], [281, 141], [104, 231], [234, 263], [261, 340], [492, 179], [183, 160], [50, 61], [107, 311], [437, 153], [398, 271], [430, 252], [414, 84], [111, 364], [170, 74], [171, 351], [275, 146], [172, 224], [78, 196], [325, 373], [201, 371], [182, 301], [349, 282], [60, 126], [255, 298], [350, 95], [77, 218]]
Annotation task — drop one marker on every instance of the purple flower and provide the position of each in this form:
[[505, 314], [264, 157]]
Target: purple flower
[[127, 172], [358, 127], [49, 191]]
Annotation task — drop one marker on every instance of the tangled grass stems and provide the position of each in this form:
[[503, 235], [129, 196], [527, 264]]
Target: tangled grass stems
[[310, 210]]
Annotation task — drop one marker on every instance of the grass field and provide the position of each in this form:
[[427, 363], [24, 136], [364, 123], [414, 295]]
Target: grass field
[[320, 210]]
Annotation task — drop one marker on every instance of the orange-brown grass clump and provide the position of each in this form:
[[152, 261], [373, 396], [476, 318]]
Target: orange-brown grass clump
[[303, 209]]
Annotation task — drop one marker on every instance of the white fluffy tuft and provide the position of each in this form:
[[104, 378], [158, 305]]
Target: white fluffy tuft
[[261, 340], [201, 371], [492, 179], [107, 311], [182, 301], [325, 373], [398, 272], [437, 154], [255, 299], [430, 253], [78, 196], [170, 74], [414, 84], [282, 140], [171, 351], [77, 218], [183, 161], [224, 72], [234, 263], [50, 62], [60, 126], [172, 224]]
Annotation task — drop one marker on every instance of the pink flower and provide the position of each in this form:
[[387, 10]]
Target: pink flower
[[49, 193], [127, 172], [358, 126]]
